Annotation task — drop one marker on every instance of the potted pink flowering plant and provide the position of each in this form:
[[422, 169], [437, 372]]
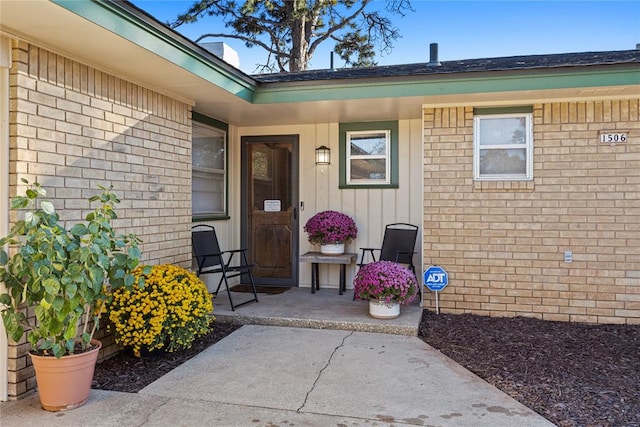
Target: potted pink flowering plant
[[331, 230], [386, 284]]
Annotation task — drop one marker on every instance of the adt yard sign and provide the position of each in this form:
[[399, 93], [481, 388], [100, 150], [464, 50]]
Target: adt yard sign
[[436, 278]]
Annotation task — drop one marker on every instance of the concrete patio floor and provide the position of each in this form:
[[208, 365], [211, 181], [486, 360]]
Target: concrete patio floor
[[325, 309]]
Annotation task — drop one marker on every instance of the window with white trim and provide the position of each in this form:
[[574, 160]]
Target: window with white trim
[[369, 155], [503, 146], [209, 173]]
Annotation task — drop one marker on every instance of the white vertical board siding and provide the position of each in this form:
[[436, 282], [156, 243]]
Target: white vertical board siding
[[372, 209], [315, 187], [317, 181]]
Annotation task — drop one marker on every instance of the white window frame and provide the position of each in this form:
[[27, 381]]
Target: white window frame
[[528, 147], [204, 170], [386, 157]]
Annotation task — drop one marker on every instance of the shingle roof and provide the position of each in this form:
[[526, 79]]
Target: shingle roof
[[509, 63]]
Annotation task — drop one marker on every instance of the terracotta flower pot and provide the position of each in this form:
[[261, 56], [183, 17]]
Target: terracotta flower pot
[[65, 383]]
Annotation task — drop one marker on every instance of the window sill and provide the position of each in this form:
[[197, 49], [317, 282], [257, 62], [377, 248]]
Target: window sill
[[367, 186], [210, 218]]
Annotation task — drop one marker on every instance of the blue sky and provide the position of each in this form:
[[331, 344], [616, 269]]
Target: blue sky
[[467, 29]]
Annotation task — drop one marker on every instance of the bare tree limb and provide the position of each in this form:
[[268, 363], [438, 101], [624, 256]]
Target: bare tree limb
[[290, 31]]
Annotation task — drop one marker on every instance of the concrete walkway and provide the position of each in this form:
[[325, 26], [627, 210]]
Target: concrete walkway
[[285, 376]]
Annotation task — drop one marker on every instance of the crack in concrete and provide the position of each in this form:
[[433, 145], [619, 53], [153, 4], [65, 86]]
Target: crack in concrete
[[147, 418], [313, 386]]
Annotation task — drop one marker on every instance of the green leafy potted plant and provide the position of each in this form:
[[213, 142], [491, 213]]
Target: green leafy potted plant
[[63, 274]]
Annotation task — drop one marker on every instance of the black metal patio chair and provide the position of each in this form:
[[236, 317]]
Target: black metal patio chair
[[211, 259], [398, 245]]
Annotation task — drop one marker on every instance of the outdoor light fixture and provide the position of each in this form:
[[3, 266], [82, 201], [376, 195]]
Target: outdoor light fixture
[[323, 155]]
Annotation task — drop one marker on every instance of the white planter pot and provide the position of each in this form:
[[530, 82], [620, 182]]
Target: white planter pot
[[332, 249], [380, 309]]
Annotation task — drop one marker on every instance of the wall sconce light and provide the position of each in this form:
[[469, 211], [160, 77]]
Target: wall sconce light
[[323, 155]]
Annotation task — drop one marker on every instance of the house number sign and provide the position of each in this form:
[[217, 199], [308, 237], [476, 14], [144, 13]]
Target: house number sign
[[613, 138]]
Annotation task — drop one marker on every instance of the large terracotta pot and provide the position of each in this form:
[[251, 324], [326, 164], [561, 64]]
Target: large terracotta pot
[[65, 383]]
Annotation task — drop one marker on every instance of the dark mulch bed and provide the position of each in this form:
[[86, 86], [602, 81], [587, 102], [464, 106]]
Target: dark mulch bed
[[572, 374]]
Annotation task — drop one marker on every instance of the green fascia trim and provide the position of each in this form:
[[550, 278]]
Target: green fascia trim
[[114, 19], [525, 109], [342, 186], [436, 85], [342, 151], [209, 121], [210, 218]]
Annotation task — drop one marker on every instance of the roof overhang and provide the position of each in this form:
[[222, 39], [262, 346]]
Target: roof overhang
[[121, 41], [117, 38]]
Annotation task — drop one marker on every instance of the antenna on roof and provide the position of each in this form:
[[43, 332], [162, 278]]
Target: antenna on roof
[[433, 56]]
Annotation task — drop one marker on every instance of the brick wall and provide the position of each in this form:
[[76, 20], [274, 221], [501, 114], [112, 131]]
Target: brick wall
[[503, 242], [72, 128]]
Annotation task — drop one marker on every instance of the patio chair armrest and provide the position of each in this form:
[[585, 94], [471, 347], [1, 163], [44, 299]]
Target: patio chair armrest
[[202, 258], [232, 251], [364, 253], [242, 254]]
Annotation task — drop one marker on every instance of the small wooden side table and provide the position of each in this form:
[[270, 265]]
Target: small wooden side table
[[317, 258]]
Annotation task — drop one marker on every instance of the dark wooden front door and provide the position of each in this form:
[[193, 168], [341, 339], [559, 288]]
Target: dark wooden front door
[[270, 207]]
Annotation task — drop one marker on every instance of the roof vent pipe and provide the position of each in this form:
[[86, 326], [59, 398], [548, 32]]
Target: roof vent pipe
[[332, 68], [433, 56]]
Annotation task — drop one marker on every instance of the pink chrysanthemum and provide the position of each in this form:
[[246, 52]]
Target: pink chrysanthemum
[[385, 280], [330, 227]]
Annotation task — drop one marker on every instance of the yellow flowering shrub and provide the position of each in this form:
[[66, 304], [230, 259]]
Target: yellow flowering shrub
[[168, 312]]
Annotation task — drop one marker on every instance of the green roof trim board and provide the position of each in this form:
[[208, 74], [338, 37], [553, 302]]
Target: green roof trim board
[[113, 18], [525, 109], [458, 85], [145, 31], [209, 121]]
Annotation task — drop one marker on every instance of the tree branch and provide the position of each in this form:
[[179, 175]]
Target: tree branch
[[335, 28], [290, 31]]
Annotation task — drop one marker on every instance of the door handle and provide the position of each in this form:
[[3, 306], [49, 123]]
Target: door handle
[[295, 214]]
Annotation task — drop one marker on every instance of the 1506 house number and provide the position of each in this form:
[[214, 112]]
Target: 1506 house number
[[613, 137]]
